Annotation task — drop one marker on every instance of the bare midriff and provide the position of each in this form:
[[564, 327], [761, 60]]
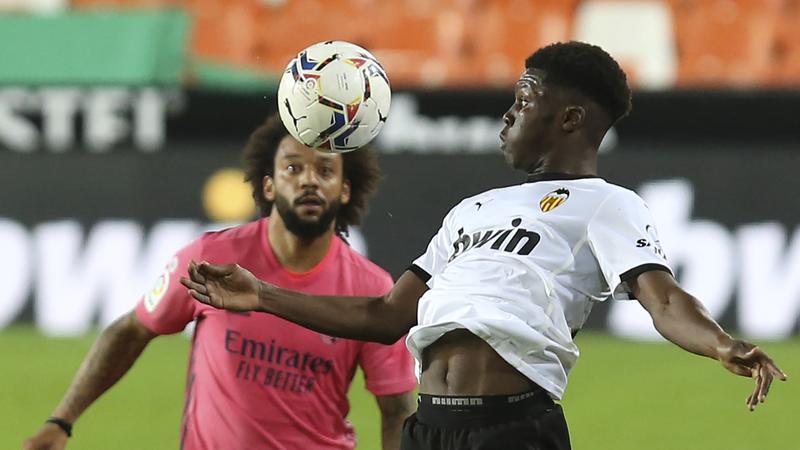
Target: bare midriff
[[460, 363]]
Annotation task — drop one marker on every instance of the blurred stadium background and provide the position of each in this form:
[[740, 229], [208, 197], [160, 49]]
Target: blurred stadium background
[[120, 129]]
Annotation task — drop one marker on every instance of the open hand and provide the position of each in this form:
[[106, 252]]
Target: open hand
[[747, 360], [228, 286]]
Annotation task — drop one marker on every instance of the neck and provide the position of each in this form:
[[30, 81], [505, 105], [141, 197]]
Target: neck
[[293, 253], [581, 161]]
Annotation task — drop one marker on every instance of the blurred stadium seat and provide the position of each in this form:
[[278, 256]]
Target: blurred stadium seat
[[786, 51], [510, 30], [224, 31], [34, 6], [725, 42], [484, 42], [113, 4], [638, 33]]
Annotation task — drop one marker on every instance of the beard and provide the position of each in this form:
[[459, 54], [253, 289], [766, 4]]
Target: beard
[[306, 229]]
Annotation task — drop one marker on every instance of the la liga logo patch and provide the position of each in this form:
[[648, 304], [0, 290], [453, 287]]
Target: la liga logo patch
[[154, 297], [554, 199]]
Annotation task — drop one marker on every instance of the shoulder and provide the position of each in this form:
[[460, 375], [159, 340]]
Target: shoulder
[[618, 204], [492, 193], [244, 231], [370, 276], [616, 196], [484, 197], [231, 238]]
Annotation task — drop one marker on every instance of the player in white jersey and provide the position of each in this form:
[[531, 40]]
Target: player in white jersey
[[493, 304]]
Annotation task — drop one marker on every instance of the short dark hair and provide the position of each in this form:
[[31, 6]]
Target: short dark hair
[[360, 168], [589, 70]]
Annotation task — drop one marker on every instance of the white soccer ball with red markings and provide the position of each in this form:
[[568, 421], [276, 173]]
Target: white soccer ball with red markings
[[334, 96]]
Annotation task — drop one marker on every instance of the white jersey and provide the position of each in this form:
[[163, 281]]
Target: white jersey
[[522, 266]]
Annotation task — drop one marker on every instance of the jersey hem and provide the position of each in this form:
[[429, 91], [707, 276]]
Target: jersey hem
[[393, 387], [419, 272], [631, 274], [153, 328], [555, 391]]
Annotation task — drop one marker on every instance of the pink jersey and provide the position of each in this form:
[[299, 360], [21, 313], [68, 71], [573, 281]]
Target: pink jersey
[[256, 381]]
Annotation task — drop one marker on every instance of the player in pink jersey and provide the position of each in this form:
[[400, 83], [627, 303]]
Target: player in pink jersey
[[255, 380]]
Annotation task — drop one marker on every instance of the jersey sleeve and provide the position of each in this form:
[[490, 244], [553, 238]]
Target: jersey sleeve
[[624, 240], [436, 255], [167, 308], [388, 369]]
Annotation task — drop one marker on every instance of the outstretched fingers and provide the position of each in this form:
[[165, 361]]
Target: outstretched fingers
[[197, 290], [756, 364], [769, 371], [765, 388], [207, 269], [194, 273], [752, 399], [776, 371], [202, 298], [195, 286], [764, 374], [763, 380]]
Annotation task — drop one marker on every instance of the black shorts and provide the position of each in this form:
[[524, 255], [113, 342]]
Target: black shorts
[[529, 421]]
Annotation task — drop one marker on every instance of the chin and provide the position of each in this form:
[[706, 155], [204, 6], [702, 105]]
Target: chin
[[514, 163], [509, 159], [309, 220]]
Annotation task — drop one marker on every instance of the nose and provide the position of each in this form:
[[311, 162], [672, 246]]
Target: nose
[[309, 179], [508, 117]]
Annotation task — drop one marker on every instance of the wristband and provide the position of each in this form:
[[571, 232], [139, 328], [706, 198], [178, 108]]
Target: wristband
[[63, 424]]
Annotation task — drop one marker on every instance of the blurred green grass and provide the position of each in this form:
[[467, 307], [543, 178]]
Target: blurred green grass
[[622, 395]]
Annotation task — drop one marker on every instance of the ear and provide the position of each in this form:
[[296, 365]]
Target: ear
[[268, 188], [573, 118], [344, 197]]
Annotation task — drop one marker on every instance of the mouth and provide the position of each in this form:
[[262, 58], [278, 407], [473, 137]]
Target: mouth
[[310, 203], [503, 139]]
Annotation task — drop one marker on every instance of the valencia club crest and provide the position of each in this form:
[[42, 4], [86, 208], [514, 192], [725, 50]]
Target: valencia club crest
[[553, 199]]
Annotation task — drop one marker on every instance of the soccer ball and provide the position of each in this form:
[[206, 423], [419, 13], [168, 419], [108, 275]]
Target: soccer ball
[[334, 96]]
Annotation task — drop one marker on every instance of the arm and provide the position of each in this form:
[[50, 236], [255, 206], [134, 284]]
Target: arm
[[394, 411], [378, 319], [109, 359], [683, 320]]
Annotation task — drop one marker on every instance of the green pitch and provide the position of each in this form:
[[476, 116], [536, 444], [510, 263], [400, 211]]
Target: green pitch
[[622, 396]]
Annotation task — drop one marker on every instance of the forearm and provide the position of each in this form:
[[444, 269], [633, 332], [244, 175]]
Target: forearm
[[683, 320], [362, 318], [111, 356]]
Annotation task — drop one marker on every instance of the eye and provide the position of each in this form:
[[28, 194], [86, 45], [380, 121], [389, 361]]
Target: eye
[[326, 171], [523, 96], [293, 168]]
